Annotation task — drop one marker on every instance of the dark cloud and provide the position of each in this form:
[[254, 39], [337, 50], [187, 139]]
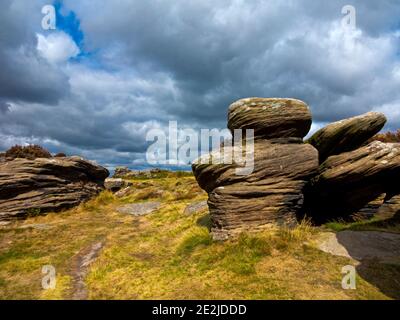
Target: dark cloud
[[4, 107], [147, 62], [218, 52], [24, 75]]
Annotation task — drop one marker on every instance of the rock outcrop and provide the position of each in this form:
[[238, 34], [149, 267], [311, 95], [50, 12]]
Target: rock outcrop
[[346, 135], [121, 172], [42, 185], [347, 182], [338, 173], [272, 193], [271, 117], [126, 173]]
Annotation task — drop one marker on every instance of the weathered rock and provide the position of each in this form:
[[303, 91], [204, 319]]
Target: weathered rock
[[125, 172], [116, 184], [37, 226], [121, 172], [43, 185], [349, 181], [2, 157], [371, 208], [271, 117], [195, 207], [124, 192], [390, 208], [270, 194], [346, 135], [140, 209]]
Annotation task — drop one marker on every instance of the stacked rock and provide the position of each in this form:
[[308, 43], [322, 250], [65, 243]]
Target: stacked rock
[[353, 173], [272, 193]]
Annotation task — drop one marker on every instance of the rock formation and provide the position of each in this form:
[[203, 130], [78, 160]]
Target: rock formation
[[121, 172], [336, 174], [347, 182], [273, 192], [270, 117], [346, 135], [42, 185], [354, 177]]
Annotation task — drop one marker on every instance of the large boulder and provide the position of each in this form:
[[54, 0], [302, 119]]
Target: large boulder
[[271, 194], [346, 135], [43, 185], [271, 117], [347, 182]]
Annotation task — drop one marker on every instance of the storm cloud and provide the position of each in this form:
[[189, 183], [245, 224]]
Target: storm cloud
[[98, 83]]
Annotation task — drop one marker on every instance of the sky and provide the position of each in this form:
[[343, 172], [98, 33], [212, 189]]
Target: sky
[[113, 70]]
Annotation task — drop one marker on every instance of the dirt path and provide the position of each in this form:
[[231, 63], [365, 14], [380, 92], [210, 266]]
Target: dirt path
[[81, 264]]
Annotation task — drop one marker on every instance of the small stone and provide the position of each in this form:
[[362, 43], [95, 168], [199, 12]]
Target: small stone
[[123, 192], [116, 184], [38, 226], [196, 207]]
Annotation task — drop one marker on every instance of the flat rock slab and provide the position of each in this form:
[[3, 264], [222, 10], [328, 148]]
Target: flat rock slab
[[361, 245], [196, 207], [140, 209], [38, 226]]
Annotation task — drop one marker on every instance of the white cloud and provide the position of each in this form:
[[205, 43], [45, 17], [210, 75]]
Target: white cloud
[[57, 47]]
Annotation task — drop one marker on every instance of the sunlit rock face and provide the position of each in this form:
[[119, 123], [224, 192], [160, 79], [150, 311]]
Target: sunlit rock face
[[272, 193], [347, 182], [346, 135], [32, 187]]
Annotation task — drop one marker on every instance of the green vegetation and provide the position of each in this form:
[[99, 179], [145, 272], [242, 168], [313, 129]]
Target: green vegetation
[[170, 255], [373, 224]]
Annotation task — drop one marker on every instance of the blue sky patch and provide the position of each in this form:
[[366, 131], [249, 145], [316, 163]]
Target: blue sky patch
[[70, 24]]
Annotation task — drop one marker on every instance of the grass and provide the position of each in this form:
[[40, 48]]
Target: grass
[[373, 224], [170, 255]]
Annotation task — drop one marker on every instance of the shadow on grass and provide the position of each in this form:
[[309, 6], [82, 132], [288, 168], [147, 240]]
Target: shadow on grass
[[378, 253], [205, 221]]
